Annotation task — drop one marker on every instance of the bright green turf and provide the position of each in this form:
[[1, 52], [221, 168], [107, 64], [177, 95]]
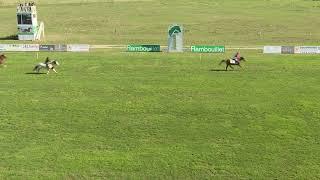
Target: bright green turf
[[157, 115], [112, 114], [225, 22]]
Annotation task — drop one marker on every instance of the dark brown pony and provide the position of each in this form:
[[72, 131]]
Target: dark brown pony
[[2, 59], [229, 63]]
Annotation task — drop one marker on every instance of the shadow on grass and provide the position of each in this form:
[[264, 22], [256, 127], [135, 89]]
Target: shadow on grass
[[217, 70], [11, 37], [35, 73], [223, 70]]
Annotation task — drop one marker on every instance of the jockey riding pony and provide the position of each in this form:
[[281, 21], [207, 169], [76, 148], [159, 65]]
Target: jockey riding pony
[[236, 57], [48, 61]]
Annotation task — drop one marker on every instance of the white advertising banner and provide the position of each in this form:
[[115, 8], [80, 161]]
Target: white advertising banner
[[78, 47], [19, 47], [272, 49], [307, 49], [3, 47]]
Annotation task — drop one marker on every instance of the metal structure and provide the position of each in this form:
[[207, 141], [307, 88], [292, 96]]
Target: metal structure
[[175, 38], [27, 22]]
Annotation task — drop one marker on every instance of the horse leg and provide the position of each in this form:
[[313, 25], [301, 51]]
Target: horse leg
[[35, 69], [54, 70], [227, 67]]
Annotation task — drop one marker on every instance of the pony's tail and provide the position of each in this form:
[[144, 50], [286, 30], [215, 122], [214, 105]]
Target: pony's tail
[[222, 61]]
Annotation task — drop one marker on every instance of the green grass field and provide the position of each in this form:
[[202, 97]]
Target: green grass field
[[110, 114], [124, 115]]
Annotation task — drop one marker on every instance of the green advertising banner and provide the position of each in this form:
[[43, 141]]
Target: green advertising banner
[[208, 49], [143, 48]]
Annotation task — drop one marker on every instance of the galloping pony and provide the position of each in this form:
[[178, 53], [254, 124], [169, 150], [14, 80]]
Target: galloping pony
[[48, 65], [231, 62]]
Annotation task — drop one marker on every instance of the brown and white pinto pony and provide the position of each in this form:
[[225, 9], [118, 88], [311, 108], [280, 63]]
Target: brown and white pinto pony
[[3, 60], [48, 65]]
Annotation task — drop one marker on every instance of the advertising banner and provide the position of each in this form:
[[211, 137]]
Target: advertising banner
[[307, 49], [3, 47], [272, 49], [287, 50], [60, 47], [208, 49], [19, 47], [46, 47], [143, 48], [78, 47], [297, 49]]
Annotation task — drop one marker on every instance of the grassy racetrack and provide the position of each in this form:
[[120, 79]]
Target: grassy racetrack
[[157, 115], [109, 114]]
